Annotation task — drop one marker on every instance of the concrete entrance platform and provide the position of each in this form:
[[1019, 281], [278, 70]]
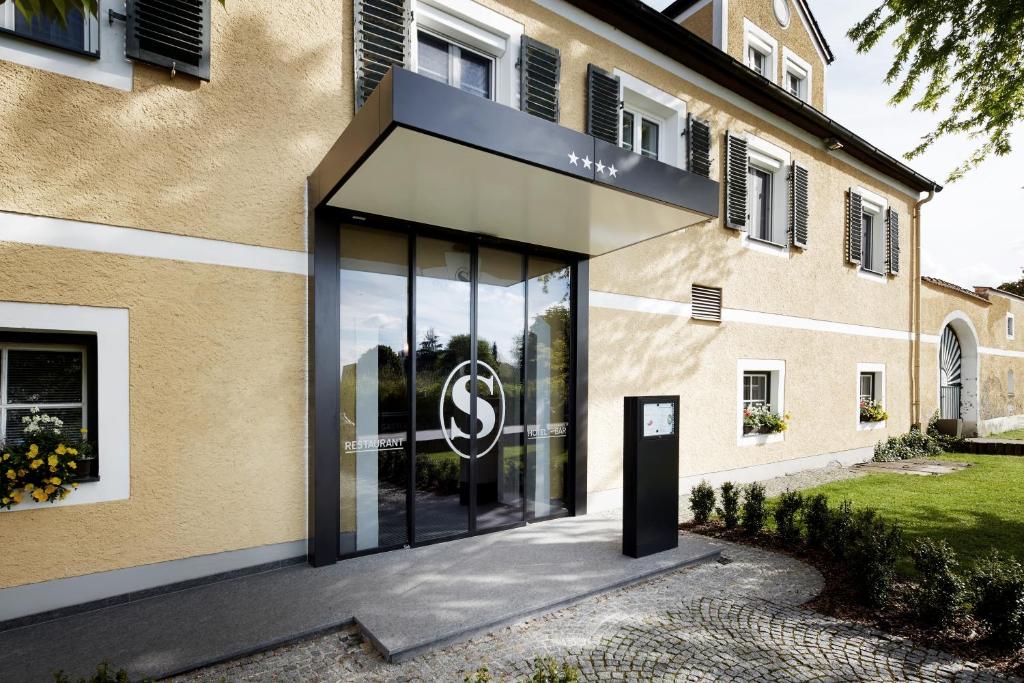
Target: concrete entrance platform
[[405, 602], [924, 468]]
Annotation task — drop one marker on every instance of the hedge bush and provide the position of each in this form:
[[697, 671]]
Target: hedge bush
[[941, 592], [755, 508], [872, 556], [729, 511], [785, 515], [997, 585], [702, 502], [816, 520], [839, 530]]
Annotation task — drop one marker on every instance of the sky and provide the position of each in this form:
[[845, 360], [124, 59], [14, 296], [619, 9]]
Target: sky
[[973, 231]]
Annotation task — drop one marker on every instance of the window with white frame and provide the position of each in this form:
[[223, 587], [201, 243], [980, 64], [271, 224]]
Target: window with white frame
[[767, 183], [796, 75], [652, 122], [757, 389], [760, 387], [867, 386], [467, 46], [871, 396], [760, 50], [872, 227], [1011, 323], [79, 33]]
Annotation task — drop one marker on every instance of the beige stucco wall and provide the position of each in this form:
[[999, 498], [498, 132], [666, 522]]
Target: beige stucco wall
[[795, 36], [702, 22], [217, 413]]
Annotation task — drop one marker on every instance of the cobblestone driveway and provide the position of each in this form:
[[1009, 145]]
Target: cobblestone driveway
[[715, 622]]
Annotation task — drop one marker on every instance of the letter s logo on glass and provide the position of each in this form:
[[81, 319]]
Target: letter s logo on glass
[[454, 409]]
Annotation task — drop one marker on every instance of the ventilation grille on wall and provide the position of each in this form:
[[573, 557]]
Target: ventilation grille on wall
[[706, 303]]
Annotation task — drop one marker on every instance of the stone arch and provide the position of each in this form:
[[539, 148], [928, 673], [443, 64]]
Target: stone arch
[[970, 369]]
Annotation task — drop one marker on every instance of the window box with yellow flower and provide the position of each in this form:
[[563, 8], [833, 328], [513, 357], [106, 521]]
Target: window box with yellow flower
[[43, 465]]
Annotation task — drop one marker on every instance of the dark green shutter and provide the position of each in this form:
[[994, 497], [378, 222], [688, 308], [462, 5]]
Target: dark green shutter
[[698, 146], [602, 104], [170, 33], [540, 72], [381, 32], [854, 220], [736, 167], [799, 205], [893, 234]]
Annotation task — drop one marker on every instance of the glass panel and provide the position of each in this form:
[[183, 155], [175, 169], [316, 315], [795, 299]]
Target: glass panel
[[548, 346], [627, 130], [867, 241], [501, 308], [35, 376], [867, 386], [760, 203], [442, 388], [796, 85], [71, 417], [374, 392], [70, 36], [649, 138], [432, 57], [475, 73]]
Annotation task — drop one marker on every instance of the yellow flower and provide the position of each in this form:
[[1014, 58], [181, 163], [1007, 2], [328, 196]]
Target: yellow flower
[[35, 464], [73, 465], [73, 451], [63, 494], [39, 495], [55, 481], [7, 456], [29, 487], [53, 459], [5, 501], [74, 486], [53, 468], [60, 450], [83, 430], [22, 472], [11, 474], [48, 490], [33, 450], [16, 497]]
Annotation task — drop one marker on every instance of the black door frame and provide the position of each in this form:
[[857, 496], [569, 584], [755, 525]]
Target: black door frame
[[324, 316]]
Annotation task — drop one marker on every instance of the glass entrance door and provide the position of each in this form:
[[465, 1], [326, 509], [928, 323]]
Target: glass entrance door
[[455, 388]]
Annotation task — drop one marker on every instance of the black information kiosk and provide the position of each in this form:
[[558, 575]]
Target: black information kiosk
[[650, 472]]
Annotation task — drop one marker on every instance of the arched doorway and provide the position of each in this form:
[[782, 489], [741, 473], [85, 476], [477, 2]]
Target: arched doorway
[[958, 368]]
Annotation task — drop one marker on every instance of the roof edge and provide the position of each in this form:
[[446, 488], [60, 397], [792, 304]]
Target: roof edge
[[945, 284], [1001, 292]]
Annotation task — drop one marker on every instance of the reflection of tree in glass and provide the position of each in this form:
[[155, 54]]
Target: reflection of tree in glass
[[557, 319], [560, 275]]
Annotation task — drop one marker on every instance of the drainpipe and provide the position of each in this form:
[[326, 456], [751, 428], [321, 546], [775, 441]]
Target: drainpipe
[[917, 305]]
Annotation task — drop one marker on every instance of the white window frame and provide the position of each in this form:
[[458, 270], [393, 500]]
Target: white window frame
[[657, 105], [111, 68], [454, 70], [1011, 326], [757, 38], [776, 369], [43, 406], [876, 205], [776, 161], [793, 64], [481, 29], [878, 370], [110, 325]]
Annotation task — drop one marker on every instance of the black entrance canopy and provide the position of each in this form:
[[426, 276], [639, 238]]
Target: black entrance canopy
[[425, 152]]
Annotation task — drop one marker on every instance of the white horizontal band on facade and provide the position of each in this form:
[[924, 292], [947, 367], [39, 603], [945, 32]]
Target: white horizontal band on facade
[[109, 239]]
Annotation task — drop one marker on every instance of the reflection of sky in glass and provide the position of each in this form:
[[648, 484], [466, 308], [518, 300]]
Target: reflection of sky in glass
[[557, 292], [372, 312], [500, 317], [442, 305]]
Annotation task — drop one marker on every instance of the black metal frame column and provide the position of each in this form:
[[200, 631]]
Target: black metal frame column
[[324, 332], [580, 275]]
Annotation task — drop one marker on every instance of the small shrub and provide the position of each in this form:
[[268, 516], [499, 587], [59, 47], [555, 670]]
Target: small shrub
[[940, 592], [997, 585], [785, 513], [839, 530], [755, 509], [547, 670], [103, 675], [702, 502], [816, 520], [944, 441], [730, 508], [913, 444], [872, 555]]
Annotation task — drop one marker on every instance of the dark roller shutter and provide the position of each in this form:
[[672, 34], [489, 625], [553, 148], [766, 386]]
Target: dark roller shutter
[[735, 182], [893, 233], [540, 69], [381, 29], [799, 210], [854, 218], [602, 104], [698, 148], [170, 33]]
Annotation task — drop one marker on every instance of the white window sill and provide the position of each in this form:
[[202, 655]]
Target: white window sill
[[761, 439], [871, 275], [765, 247], [870, 426]]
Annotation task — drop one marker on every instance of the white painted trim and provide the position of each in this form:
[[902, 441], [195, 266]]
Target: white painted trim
[[970, 368], [995, 425], [108, 239], [777, 161], [110, 325], [1005, 353], [793, 62], [616, 36], [817, 46], [777, 368], [756, 37], [111, 69], [634, 92], [720, 24], [34, 598], [611, 499], [876, 205], [691, 11], [871, 276], [637, 304], [878, 369], [479, 27]]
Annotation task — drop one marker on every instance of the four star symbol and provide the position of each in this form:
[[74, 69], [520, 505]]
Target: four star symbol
[[587, 162]]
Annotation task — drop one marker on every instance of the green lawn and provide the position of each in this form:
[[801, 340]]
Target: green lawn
[[973, 510], [1013, 434]]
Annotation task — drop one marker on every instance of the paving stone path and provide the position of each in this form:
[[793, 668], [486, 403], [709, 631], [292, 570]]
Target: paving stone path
[[740, 621]]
